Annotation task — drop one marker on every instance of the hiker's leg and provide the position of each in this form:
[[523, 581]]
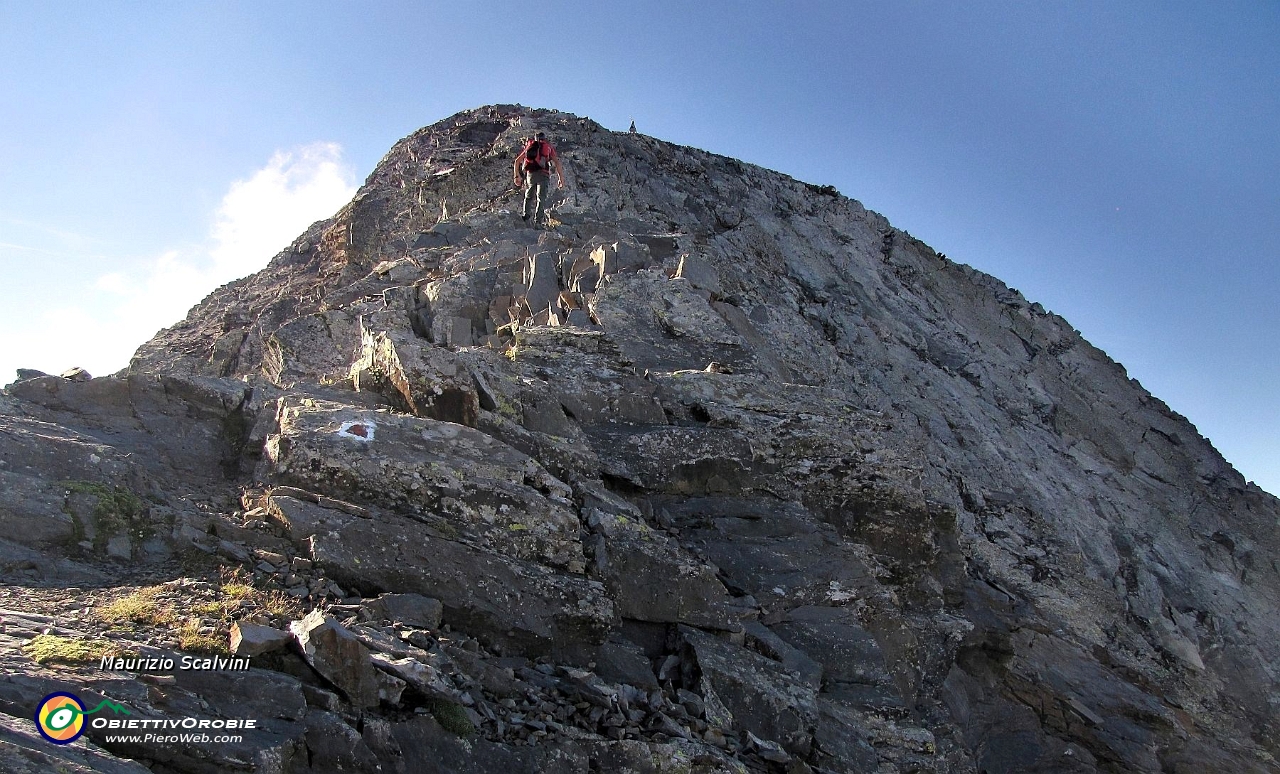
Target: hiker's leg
[[530, 190], [542, 181], [544, 188]]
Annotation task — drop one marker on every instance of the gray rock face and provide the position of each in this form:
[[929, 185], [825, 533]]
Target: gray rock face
[[338, 656], [24, 752], [254, 640], [427, 380], [718, 472], [753, 693], [408, 609], [497, 496]]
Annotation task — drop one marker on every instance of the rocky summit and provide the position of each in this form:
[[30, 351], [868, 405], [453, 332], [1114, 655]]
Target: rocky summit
[[715, 472]]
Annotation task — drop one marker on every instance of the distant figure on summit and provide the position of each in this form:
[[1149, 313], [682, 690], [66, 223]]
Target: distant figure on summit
[[532, 169]]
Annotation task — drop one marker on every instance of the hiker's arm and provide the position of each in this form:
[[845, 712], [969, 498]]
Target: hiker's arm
[[515, 167]]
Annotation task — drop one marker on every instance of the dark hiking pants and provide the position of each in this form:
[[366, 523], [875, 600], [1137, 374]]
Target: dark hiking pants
[[537, 186]]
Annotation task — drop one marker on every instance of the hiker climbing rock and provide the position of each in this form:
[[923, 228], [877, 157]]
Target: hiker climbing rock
[[532, 169]]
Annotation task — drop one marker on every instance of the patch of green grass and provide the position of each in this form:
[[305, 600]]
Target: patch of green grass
[[209, 609], [190, 639], [451, 717], [238, 590], [51, 648], [140, 607], [238, 585], [117, 510], [187, 617], [280, 604]]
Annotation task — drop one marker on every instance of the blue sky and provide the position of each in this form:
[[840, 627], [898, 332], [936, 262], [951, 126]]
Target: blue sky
[[1116, 161]]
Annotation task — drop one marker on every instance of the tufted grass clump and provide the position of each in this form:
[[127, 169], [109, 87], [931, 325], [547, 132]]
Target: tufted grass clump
[[451, 717], [140, 607], [238, 590], [238, 585], [52, 648], [191, 639]]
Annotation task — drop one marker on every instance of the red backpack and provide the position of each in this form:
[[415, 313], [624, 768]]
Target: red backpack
[[533, 155]]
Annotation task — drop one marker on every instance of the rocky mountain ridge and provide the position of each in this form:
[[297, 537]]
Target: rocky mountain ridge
[[719, 472]]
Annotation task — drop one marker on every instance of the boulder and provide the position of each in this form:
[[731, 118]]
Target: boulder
[[679, 460], [456, 306], [263, 693], [471, 483], [622, 661], [422, 677], [747, 691], [518, 605], [699, 273], [621, 256], [29, 373], [541, 282], [762, 639], [854, 667], [428, 381], [334, 746], [315, 347], [60, 485], [665, 325], [254, 639], [337, 656], [651, 578]]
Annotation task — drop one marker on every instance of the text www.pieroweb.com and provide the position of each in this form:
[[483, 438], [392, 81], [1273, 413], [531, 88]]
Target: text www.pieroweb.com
[[173, 739]]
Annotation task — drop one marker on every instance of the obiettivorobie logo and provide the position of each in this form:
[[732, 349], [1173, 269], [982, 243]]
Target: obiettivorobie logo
[[60, 716]]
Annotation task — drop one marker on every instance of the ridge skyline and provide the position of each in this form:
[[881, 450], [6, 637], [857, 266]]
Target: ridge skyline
[[1113, 165]]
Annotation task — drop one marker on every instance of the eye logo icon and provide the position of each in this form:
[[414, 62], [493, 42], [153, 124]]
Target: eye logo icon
[[60, 716]]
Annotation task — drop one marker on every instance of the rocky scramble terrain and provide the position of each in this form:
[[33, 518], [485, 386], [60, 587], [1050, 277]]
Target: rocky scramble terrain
[[719, 472]]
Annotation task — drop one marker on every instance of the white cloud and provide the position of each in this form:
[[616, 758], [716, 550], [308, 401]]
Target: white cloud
[[260, 216], [117, 312]]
